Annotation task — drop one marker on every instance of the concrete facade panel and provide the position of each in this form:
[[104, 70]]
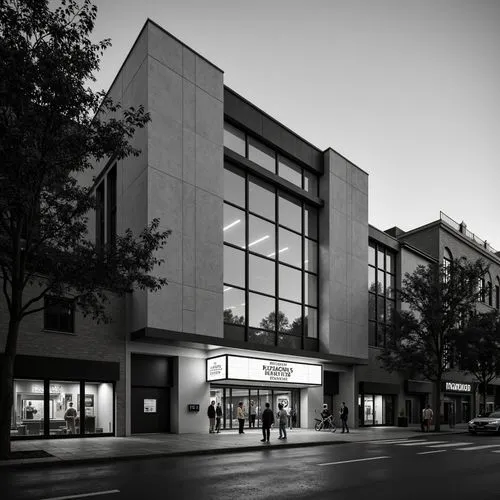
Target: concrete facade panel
[[165, 308], [165, 199], [171, 253], [188, 64], [165, 90], [209, 266], [188, 260], [164, 48], [209, 78], [209, 218], [209, 117], [189, 105], [188, 156], [135, 59], [208, 313], [188, 298], [188, 321], [209, 166], [339, 194], [134, 201], [188, 210]]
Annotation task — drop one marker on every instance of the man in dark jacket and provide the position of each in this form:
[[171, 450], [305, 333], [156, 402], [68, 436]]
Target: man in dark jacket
[[267, 421], [211, 417], [344, 414], [218, 416]]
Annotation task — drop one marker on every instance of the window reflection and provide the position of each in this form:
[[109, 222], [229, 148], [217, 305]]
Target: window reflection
[[98, 408], [380, 259], [261, 311], [234, 186], [371, 255], [311, 183], [28, 408], [290, 213], [261, 275], [261, 199], [311, 322], [311, 222], [290, 281], [262, 155], [311, 256], [289, 171], [234, 139], [290, 318], [234, 306], [234, 225], [290, 247], [311, 290], [261, 236], [234, 266]]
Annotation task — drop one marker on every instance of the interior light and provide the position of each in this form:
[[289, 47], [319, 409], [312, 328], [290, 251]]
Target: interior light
[[258, 241], [279, 251], [228, 288], [229, 226]]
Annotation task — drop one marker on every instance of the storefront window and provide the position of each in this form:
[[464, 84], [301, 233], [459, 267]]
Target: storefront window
[[64, 408], [376, 409], [98, 408], [28, 408]]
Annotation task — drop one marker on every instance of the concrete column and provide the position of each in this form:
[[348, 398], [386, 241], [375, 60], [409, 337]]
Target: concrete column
[[347, 394], [311, 399]]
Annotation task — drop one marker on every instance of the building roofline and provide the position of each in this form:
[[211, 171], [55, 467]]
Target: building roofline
[[417, 251], [267, 115], [345, 158]]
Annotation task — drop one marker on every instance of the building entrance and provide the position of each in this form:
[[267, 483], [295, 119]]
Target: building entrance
[[254, 401]]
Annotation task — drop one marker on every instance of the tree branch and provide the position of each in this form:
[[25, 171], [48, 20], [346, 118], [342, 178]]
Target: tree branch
[[33, 300]]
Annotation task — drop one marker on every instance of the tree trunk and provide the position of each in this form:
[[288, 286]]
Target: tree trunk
[[437, 405], [7, 389], [483, 397]]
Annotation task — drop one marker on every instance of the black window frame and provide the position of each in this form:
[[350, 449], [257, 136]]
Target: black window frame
[[52, 300]]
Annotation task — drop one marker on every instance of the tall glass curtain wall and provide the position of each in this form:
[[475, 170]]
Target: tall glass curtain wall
[[381, 296], [229, 397], [61, 404], [270, 258]]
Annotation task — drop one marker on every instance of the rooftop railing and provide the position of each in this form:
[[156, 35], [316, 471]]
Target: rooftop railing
[[462, 228]]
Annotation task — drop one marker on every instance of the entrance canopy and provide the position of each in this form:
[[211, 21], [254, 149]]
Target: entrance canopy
[[229, 367]]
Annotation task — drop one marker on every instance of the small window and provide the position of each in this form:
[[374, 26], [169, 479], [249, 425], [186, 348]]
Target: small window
[[262, 155], [234, 139], [59, 314], [290, 172]]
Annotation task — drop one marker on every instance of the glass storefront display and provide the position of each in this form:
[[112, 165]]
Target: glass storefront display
[[28, 408], [376, 409], [229, 397], [53, 408]]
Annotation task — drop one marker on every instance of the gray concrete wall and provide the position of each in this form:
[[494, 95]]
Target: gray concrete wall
[[185, 184], [343, 257]]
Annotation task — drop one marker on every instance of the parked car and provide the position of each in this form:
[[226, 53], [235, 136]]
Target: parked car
[[487, 423]]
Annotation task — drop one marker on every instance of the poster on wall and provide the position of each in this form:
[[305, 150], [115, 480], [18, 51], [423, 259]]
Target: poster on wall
[[150, 406]]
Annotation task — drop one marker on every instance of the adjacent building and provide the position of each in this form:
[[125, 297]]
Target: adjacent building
[[268, 296]]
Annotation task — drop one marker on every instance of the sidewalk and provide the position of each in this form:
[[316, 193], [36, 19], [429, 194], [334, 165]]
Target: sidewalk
[[87, 450]]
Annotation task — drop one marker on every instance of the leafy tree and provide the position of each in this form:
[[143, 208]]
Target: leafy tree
[[479, 349], [423, 334], [270, 322], [229, 317], [52, 129]]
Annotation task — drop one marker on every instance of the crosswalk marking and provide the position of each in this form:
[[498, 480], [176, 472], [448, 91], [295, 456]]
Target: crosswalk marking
[[430, 452], [449, 445], [389, 441], [482, 447], [422, 444]]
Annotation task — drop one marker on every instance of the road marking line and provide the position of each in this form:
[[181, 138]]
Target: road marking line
[[482, 447], [83, 495], [356, 460], [422, 444], [429, 452], [495, 451], [449, 445], [389, 441]]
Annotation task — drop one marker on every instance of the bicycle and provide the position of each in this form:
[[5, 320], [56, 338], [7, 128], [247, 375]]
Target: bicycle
[[327, 423]]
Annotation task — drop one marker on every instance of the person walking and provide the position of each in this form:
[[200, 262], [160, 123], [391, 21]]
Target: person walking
[[218, 416], [240, 415], [267, 420], [427, 416], [253, 415], [344, 415], [282, 420], [211, 417]]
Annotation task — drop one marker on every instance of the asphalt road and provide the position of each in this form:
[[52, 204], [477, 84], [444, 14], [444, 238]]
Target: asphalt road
[[428, 467]]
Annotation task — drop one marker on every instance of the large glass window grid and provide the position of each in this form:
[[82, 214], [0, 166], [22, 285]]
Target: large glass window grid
[[381, 292], [251, 148], [278, 296]]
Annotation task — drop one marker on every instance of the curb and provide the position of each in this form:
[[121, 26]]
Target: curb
[[49, 462]]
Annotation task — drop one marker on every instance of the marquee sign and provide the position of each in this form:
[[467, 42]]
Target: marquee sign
[[262, 370], [457, 387]]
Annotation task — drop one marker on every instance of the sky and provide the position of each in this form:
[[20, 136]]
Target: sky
[[409, 91]]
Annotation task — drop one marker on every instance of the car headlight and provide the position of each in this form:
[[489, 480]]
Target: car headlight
[[495, 422], [471, 422]]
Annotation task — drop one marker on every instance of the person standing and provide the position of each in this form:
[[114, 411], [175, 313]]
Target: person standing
[[218, 416], [240, 415], [293, 418], [70, 418], [344, 415], [253, 415], [267, 420], [427, 416], [211, 417], [30, 411], [282, 420]]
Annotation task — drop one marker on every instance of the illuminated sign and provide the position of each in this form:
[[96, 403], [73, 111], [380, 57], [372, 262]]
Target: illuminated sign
[[150, 406], [457, 387], [263, 370]]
